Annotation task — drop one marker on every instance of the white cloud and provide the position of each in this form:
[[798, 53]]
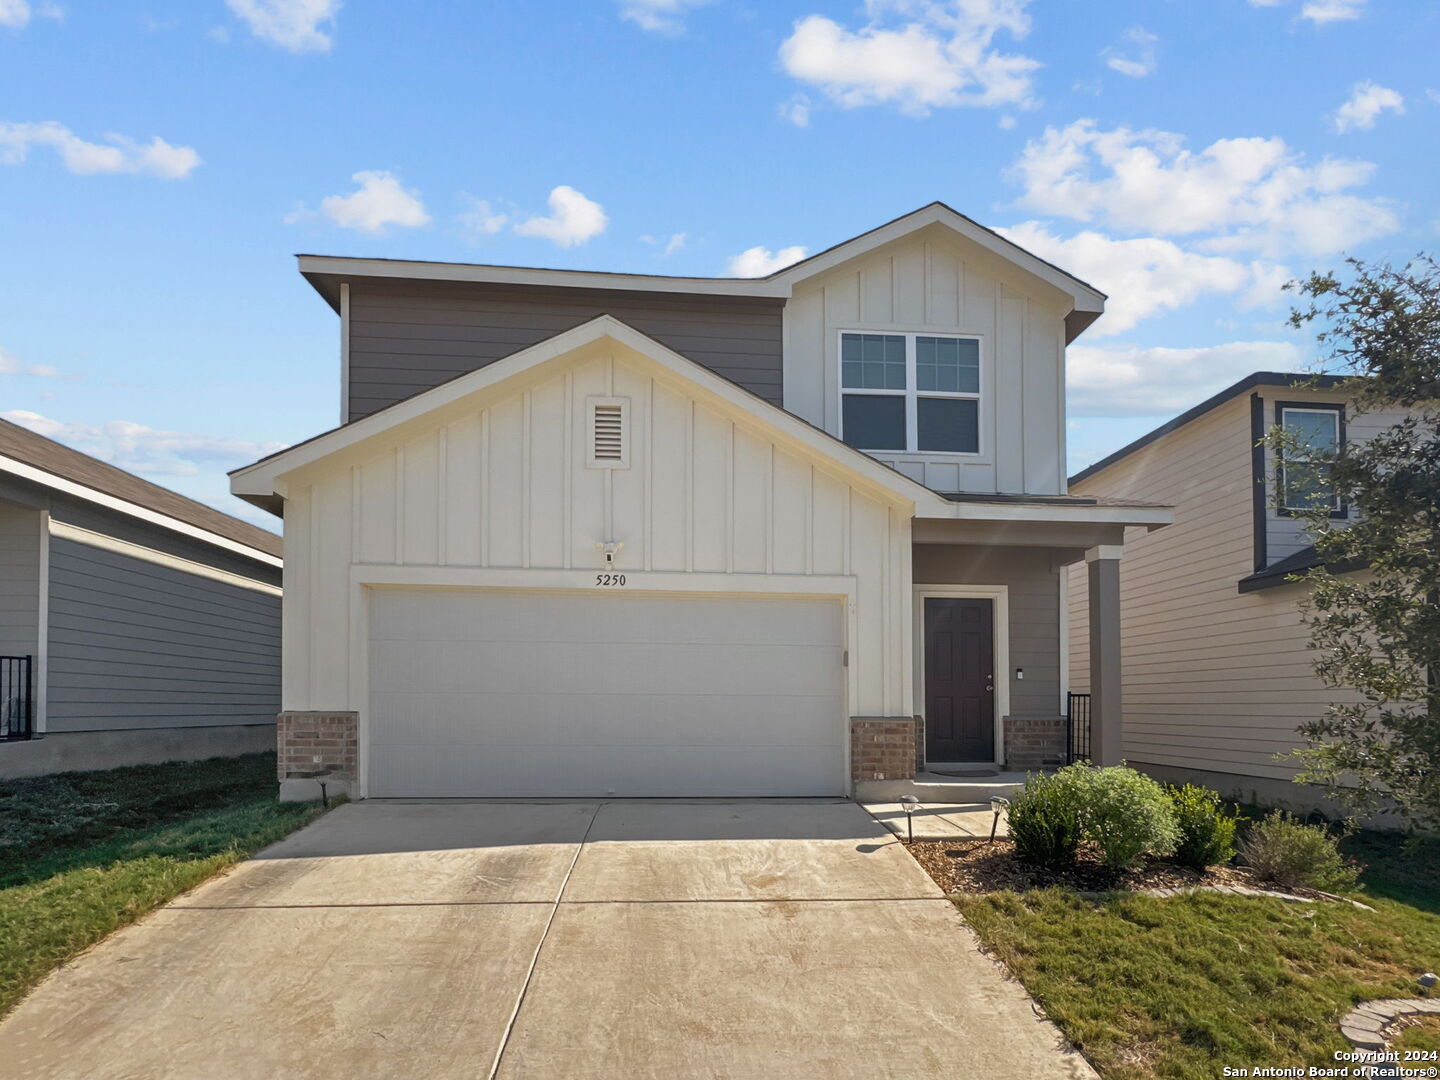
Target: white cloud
[[797, 110], [668, 246], [10, 364], [1321, 12], [1136, 381], [573, 219], [1326, 11], [379, 202], [16, 14], [762, 262], [1134, 54], [658, 16], [481, 219], [1366, 102], [916, 55], [1148, 276], [290, 24], [119, 154], [146, 450], [1249, 193]]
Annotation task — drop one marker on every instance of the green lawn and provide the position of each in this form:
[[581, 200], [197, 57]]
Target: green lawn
[[1182, 987], [82, 854]]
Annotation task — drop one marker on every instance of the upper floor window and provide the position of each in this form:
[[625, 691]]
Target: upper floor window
[[910, 392], [1313, 433]]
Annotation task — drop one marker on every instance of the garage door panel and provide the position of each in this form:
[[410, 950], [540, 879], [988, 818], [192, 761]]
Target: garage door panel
[[597, 667], [531, 772], [532, 615], [510, 693], [560, 720]]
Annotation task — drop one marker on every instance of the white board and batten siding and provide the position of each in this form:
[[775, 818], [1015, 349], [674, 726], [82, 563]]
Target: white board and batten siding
[[935, 283], [493, 492]]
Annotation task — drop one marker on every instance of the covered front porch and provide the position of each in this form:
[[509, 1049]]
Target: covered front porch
[[987, 639]]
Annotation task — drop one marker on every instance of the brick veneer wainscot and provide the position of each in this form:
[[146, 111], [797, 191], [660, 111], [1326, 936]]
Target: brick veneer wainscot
[[882, 747], [1034, 742], [312, 741]]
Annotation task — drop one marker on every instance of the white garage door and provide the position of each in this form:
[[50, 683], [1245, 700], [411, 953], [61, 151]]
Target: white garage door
[[489, 693]]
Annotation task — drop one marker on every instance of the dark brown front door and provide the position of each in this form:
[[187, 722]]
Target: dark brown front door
[[959, 680]]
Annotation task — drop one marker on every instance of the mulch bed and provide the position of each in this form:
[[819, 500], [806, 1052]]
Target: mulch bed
[[979, 866]]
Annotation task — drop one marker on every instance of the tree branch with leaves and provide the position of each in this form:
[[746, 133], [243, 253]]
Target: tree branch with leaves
[[1373, 604]]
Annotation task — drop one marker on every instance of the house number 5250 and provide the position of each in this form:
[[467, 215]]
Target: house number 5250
[[611, 580]]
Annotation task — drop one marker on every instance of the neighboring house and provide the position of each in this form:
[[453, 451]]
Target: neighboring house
[[1218, 669], [591, 533], [137, 624]]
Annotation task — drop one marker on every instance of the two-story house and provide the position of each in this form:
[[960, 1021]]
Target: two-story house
[[584, 534], [1218, 667]]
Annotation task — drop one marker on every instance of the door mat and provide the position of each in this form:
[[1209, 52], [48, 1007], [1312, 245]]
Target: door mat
[[966, 773]]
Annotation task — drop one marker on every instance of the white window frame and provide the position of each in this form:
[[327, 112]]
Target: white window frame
[[912, 394], [1337, 507]]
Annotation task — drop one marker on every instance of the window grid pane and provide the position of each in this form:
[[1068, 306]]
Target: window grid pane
[[872, 361], [947, 425], [949, 365], [874, 421]]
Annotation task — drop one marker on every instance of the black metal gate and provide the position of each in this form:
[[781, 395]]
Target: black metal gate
[[17, 697], [1077, 727]]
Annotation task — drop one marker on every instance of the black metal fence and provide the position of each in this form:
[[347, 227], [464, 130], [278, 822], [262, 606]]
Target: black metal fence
[[1077, 727], [17, 697]]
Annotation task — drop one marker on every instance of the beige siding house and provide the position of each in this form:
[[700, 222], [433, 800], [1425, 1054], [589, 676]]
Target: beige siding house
[[592, 534], [1217, 666]]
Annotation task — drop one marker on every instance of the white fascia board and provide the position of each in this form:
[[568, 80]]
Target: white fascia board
[[267, 477], [526, 275], [1145, 517], [1083, 297], [91, 538], [135, 510]]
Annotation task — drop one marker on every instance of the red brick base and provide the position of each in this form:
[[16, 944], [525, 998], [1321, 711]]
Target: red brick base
[[311, 741], [882, 747], [1034, 742]]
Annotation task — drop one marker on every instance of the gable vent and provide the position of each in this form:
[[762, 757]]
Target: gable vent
[[609, 433]]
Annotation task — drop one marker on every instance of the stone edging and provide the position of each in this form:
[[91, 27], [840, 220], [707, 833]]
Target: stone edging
[[1365, 1025], [1246, 890]]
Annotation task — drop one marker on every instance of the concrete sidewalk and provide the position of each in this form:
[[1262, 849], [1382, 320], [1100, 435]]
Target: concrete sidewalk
[[577, 939], [940, 821]]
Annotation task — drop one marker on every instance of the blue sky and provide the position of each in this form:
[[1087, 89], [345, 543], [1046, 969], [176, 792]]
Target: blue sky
[[162, 160]]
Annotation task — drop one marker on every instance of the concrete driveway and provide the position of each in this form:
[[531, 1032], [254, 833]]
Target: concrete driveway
[[575, 939]]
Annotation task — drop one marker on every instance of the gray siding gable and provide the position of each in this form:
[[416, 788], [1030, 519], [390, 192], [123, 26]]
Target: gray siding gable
[[407, 336]]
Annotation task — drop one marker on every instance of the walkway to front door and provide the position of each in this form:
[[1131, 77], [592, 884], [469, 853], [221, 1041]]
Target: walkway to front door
[[577, 939], [959, 679]]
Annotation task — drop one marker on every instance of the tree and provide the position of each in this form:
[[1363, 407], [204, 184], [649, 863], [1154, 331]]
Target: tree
[[1373, 605]]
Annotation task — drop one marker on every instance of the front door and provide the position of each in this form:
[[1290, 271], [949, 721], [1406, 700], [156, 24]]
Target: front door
[[959, 679]]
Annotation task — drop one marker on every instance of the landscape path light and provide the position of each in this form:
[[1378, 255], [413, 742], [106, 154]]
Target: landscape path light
[[909, 803], [998, 804]]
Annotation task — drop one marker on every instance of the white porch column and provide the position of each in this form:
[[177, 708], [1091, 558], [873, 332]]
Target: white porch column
[[1106, 716]]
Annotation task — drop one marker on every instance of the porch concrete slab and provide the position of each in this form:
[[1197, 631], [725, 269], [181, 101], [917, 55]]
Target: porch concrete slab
[[939, 822], [844, 990], [381, 852], [260, 993], [807, 849]]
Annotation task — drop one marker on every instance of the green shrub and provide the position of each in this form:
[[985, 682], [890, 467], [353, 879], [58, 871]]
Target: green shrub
[[1206, 824], [1124, 813], [1285, 850], [1044, 819]]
